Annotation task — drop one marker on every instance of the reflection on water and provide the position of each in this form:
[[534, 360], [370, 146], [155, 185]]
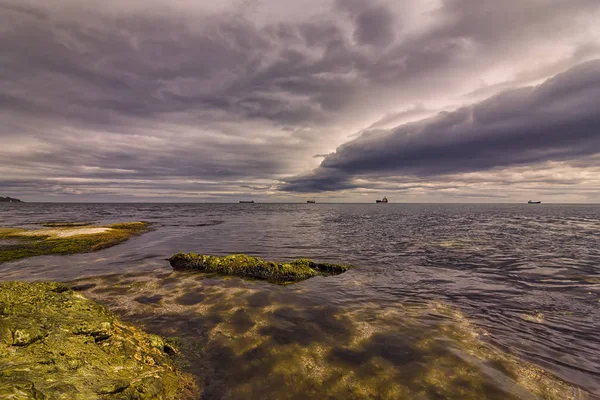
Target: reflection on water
[[249, 339], [526, 276]]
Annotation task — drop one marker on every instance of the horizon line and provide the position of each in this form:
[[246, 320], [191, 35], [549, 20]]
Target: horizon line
[[272, 202]]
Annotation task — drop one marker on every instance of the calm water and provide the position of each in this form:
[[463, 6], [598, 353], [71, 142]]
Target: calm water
[[528, 276]]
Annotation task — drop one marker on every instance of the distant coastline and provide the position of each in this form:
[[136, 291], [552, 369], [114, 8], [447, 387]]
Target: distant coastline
[[9, 200]]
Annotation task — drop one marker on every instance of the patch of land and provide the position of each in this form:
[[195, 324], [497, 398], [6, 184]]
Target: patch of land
[[57, 344], [16, 243], [253, 267], [9, 200]]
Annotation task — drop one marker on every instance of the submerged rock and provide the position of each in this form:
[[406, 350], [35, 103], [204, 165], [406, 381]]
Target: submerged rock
[[253, 267], [245, 340], [56, 344]]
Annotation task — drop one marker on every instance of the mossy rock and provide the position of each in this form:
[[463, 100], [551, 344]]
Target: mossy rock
[[56, 344], [253, 267], [64, 238]]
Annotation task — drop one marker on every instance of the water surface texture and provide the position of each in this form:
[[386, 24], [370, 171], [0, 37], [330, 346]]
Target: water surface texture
[[525, 277]]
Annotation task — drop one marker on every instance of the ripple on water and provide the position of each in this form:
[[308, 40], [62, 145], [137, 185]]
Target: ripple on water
[[244, 338]]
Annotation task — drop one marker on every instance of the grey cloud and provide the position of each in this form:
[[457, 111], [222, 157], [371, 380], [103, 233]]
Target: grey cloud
[[22, 10], [557, 120], [148, 66], [415, 111], [374, 24], [151, 65], [320, 180]]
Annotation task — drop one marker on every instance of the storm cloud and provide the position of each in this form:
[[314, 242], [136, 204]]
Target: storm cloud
[[557, 120], [137, 100]]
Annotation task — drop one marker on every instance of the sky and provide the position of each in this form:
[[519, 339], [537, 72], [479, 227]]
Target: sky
[[277, 100]]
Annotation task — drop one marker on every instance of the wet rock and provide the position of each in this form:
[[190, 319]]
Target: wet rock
[[115, 386], [64, 238], [27, 336], [55, 344], [253, 267]]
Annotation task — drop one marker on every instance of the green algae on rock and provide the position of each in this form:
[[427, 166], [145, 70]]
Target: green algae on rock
[[253, 267], [56, 344], [64, 238]]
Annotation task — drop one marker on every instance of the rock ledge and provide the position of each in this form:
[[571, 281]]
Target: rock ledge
[[56, 344]]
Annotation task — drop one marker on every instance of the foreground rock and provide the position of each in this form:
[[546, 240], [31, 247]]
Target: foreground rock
[[253, 267], [56, 344], [64, 238]]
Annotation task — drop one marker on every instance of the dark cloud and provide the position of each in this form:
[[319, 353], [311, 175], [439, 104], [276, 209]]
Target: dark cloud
[[375, 26], [557, 120], [149, 65]]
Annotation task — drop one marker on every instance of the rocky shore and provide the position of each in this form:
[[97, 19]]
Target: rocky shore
[[57, 344]]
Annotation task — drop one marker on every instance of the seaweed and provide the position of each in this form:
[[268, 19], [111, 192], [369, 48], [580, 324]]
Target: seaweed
[[246, 266]]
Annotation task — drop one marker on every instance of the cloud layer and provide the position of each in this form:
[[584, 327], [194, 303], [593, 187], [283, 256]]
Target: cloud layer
[[555, 121], [132, 99]]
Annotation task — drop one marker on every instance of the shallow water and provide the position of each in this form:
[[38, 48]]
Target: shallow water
[[525, 277]]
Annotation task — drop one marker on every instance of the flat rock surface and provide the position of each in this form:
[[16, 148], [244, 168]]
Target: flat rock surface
[[64, 238], [65, 232]]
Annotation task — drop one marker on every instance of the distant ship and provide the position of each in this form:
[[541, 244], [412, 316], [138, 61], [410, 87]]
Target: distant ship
[[384, 200], [534, 202], [247, 201], [311, 201]]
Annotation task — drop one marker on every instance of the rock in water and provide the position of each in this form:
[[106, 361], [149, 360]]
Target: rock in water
[[253, 267], [64, 238], [56, 344]]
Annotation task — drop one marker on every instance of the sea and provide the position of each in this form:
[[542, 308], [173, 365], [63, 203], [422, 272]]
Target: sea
[[444, 300]]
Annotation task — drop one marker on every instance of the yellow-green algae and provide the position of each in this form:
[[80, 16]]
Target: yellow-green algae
[[16, 243], [247, 340], [253, 267], [56, 344]]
